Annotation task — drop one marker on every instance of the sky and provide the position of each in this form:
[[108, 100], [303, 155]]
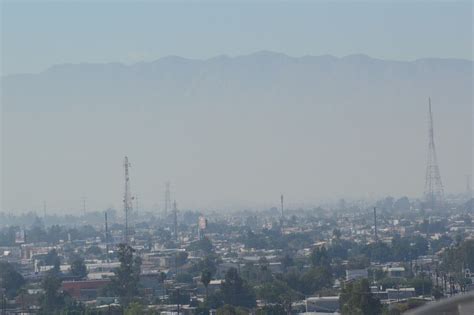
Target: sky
[[39, 34], [36, 35]]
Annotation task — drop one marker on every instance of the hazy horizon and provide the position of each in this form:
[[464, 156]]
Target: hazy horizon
[[233, 103]]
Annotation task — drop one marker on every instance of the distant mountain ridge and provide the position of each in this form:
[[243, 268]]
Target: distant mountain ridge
[[231, 128], [167, 78], [263, 55]]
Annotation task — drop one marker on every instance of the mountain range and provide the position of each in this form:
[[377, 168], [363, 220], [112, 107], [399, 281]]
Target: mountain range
[[234, 131]]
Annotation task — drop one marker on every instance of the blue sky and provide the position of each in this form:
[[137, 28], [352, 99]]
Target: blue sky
[[38, 35]]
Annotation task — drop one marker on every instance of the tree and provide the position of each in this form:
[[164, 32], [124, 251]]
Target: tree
[[52, 259], [276, 292], [134, 308], [206, 277], [265, 273], [336, 233], [276, 309], [184, 277], [78, 267], [127, 276], [286, 262], [320, 257], [235, 291], [204, 245], [231, 310], [358, 262], [422, 284], [181, 258], [52, 299], [356, 298], [93, 251], [315, 279], [10, 279]]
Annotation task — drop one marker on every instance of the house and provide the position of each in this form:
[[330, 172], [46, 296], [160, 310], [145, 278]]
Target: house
[[326, 304], [400, 294], [395, 272], [85, 289], [355, 274]]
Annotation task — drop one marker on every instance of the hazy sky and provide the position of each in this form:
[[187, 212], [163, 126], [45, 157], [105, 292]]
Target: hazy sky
[[37, 34]]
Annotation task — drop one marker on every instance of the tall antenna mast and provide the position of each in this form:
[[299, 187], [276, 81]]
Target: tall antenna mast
[[175, 220], [136, 205], [468, 186], [84, 205], [106, 237], [434, 191], [167, 198], [44, 211], [282, 214], [127, 199], [375, 225]]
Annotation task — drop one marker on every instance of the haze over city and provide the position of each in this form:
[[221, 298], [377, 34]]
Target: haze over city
[[229, 105], [236, 157]]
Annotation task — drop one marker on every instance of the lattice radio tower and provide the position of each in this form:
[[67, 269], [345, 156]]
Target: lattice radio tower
[[127, 199], [167, 198], [434, 191], [175, 220]]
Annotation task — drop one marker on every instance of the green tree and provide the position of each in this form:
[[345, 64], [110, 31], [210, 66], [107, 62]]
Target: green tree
[[315, 279], [286, 262], [204, 245], [127, 276], [231, 310], [206, 277], [52, 299], [356, 298], [320, 257], [276, 291], [134, 308], [236, 291], [276, 309], [10, 279], [78, 267]]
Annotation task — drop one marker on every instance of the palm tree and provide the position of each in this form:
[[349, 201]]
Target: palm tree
[[206, 277]]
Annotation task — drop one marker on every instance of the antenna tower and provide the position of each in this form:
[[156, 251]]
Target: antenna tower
[[44, 210], [106, 237], [281, 200], [434, 192], [127, 199], [375, 225], [175, 220], [167, 198], [84, 200], [468, 186]]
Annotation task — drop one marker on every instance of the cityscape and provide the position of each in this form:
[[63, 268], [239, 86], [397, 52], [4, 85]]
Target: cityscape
[[251, 184]]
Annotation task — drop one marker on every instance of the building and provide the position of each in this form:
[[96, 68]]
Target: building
[[84, 290], [355, 274]]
